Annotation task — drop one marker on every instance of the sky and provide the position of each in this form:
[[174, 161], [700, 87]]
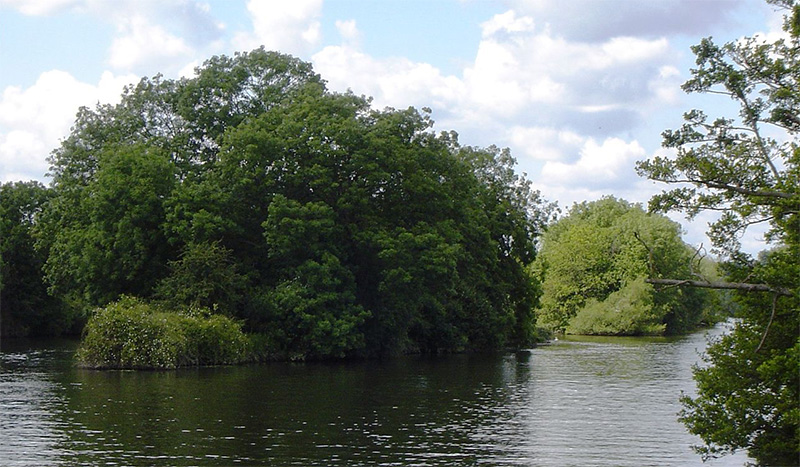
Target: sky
[[579, 90]]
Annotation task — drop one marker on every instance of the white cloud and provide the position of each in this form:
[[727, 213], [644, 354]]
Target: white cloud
[[492, 82], [143, 42], [188, 71], [599, 165], [151, 35], [666, 86], [348, 30], [528, 73], [392, 82], [39, 7], [21, 156], [289, 27], [506, 23], [545, 143], [633, 49], [598, 21], [34, 120]]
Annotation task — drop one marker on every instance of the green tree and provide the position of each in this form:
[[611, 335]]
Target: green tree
[[333, 228], [25, 304], [205, 276], [594, 262], [104, 238], [746, 167]]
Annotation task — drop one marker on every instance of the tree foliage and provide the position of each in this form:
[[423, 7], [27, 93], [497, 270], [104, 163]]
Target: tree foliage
[[747, 168], [205, 276], [594, 262], [332, 228], [25, 304]]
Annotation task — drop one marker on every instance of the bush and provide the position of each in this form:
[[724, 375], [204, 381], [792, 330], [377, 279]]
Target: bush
[[134, 334], [214, 340], [628, 312]]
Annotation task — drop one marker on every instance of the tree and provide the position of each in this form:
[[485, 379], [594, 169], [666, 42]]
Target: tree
[[104, 238], [24, 303], [205, 276], [747, 168], [332, 228], [594, 262]]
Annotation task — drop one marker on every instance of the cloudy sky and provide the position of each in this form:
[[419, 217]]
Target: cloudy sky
[[578, 89]]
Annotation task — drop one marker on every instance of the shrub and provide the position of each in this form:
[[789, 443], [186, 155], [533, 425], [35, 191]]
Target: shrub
[[214, 340], [628, 312], [135, 334]]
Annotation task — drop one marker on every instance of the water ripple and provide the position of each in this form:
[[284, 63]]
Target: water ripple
[[599, 402]]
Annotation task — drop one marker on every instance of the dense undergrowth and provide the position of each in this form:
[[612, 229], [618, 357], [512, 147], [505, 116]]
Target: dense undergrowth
[[134, 334]]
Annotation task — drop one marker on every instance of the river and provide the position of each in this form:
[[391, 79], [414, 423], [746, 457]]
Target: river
[[575, 402]]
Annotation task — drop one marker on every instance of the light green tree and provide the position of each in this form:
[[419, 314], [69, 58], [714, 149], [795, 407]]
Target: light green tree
[[593, 263]]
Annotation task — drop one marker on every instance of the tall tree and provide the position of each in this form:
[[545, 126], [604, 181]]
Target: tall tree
[[105, 238], [747, 168]]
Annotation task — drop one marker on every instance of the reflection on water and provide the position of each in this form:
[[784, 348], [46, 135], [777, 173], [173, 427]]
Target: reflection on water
[[574, 402]]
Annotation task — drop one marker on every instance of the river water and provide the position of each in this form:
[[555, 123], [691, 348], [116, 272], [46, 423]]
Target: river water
[[575, 402]]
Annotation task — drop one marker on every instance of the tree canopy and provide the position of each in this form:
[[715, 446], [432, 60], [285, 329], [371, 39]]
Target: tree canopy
[[333, 228], [747, 168], [593, 264]]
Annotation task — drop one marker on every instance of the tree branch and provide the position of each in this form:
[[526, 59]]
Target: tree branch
[[650, 262], [725, 186], [771, 317], [745, 287], [762, 147]]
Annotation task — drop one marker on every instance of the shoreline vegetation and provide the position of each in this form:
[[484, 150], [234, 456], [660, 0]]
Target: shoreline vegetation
[[132, 334]]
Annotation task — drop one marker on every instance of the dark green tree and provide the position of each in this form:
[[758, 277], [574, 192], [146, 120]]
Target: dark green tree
[[205, 276], [105, 237], [25, 304], [332, 228], [747, 168]]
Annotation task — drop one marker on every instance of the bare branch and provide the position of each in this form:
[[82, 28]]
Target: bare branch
[[757, 221], [699, 260], [771, 317], [650, 262], [762, 147], [721, 93], [745, 287]]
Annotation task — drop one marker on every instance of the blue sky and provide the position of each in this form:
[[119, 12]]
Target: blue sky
[[578, 89]]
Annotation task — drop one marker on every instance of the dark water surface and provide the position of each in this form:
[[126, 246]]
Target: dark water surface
[[577, 402]]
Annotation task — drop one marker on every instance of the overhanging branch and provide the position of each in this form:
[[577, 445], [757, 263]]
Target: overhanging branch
[[743, 286], [736, 189]]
